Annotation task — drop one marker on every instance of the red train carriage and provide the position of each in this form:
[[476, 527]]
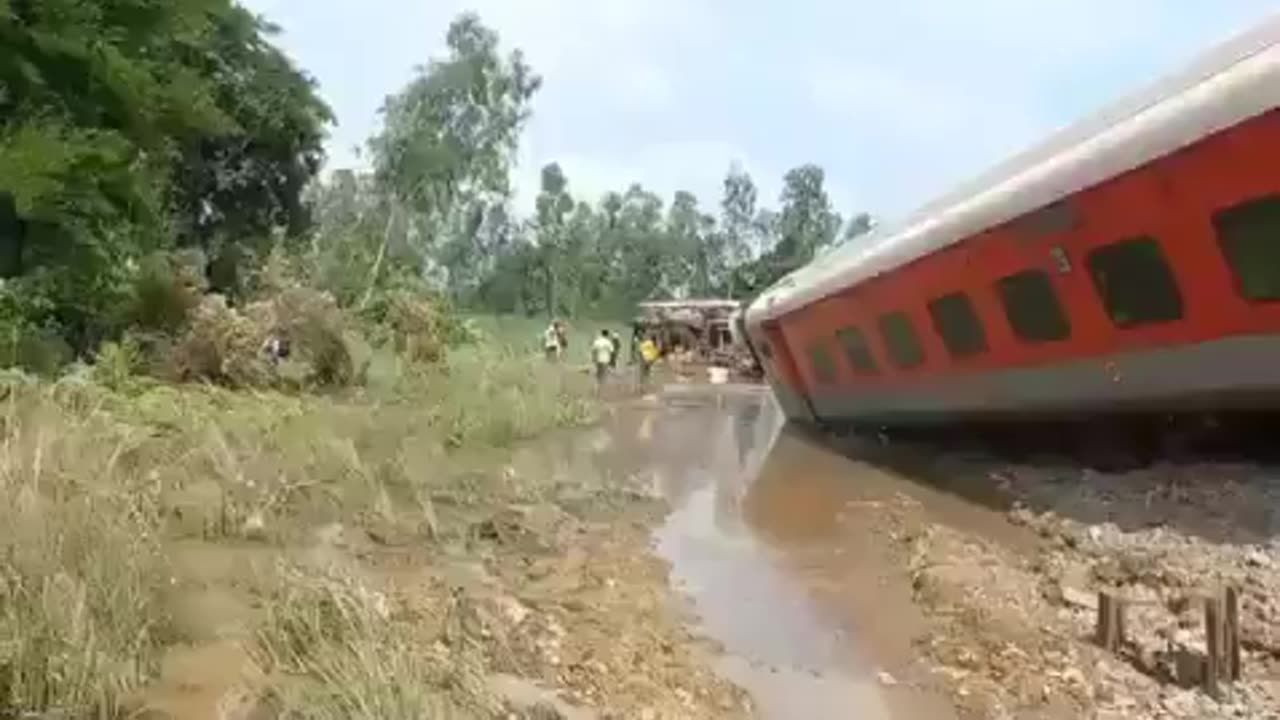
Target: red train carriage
[[1130, 264]]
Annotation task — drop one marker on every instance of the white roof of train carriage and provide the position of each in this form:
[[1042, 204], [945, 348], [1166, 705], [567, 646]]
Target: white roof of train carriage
[[1233, 82]]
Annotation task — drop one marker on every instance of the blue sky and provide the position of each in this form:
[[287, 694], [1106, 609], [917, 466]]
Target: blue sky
[[898, 101]]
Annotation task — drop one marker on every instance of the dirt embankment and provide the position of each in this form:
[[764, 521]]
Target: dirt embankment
[[1012, 624]]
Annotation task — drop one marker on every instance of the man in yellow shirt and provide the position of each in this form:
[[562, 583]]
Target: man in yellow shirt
[[648, 356]]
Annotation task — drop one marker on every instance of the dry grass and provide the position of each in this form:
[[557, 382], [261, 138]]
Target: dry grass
[[81, 562], [344, 656], [100, 471]]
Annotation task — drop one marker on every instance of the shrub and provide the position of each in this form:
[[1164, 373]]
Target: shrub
[[166, 290], [222, 346], [317, 333], [117, 363], [418, 327]]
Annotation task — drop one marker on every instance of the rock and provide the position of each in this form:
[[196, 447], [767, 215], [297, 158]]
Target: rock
[[1079, 598], [1181, 704], [1257, 557], [512, 610], [1020, 515], [886, 679]]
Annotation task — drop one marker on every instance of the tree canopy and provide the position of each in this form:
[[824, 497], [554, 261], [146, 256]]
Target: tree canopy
[[135, 127], [443, 163], [128, 126]]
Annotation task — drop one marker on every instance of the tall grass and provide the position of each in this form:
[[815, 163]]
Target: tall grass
[[98, 473], [80, 561]]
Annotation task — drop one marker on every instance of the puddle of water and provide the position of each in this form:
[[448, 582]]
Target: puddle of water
[[796, 659], [758, 543]]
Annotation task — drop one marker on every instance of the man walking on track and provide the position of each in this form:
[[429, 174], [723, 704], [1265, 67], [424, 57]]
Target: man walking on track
[[602, 355]]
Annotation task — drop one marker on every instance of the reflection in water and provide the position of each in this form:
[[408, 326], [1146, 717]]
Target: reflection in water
[[760, 539], [795, 659]]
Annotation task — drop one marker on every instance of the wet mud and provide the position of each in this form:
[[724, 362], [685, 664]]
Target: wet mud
[[692, 556]]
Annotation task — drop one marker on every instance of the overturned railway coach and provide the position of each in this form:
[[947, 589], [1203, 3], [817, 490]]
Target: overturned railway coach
[[1129, 265]]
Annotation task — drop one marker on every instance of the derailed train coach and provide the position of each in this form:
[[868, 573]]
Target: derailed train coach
[[1127, 267]]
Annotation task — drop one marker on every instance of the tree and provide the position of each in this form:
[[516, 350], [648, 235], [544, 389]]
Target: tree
[[807, 222], [449, 138], [694, 255], [128, 126], [737, 223], [638, 245], [235, 189], [679, 252], [553, 205], [858, 225]]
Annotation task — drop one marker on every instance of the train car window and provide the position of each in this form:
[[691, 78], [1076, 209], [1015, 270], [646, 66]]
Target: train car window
[[901, 340], [958, 325], [1249, 234], [824, 366], [1035, 314], [1135, 283], [857, 349]]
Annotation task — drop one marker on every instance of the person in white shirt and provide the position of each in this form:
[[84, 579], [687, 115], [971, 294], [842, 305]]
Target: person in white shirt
[[602, 355], [551, 342]]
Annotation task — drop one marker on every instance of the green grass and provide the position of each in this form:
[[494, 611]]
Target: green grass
[[98, 478]]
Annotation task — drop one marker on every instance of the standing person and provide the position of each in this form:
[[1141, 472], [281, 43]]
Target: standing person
[[617, 349], [636, 339], [562, 335], [648, 356], [551, 342], [602, 355]]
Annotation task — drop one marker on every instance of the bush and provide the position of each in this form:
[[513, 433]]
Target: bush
[[417, 326], [117, 363], [167, 289], [229, 347], [316, 331], [35, 349], [222, 346]]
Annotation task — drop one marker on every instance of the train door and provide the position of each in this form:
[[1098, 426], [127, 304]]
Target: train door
[[788, 386]]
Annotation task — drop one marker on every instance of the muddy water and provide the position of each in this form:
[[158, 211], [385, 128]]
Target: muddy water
[[767, 541]]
